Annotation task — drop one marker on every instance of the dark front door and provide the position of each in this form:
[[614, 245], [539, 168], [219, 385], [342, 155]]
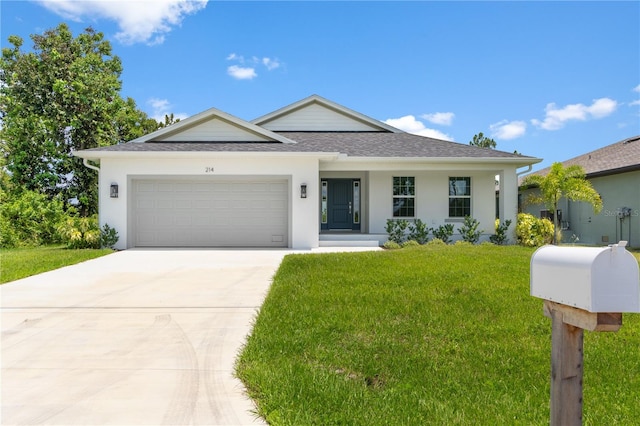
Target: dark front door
[[343, 208]]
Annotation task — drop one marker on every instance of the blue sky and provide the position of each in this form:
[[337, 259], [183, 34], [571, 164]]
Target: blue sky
[[549, 79]]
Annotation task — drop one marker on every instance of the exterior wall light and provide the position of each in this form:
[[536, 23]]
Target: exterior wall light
[[114, 190], [303, 190]]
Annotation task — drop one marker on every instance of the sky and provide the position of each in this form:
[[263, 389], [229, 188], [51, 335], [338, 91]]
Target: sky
[[548, 79]]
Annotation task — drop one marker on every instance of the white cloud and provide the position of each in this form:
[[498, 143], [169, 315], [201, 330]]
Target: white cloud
[[508, 129], [409, 124], [145, 21], [636, 102], [248, 69], [271, 64], [162, 107], [442, 118], [555, 118], [241, 73]]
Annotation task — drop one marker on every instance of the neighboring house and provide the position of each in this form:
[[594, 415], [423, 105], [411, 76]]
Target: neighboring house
[[312, 173], [614, 171]]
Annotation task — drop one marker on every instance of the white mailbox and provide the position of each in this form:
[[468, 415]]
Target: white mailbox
[[602, 279]]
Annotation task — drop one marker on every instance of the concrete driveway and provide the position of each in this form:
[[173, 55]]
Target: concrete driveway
[[139, 337]]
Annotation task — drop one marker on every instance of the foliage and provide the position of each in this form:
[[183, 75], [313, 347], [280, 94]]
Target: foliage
[[436, 242], [501, 237], [437, 335], [23, 262], [569, 182], [168, 120], [80, 232], [419, 231], [108, 236], [396, 229], [482, 141], [410, 243], [28, 218], [533, 232], [391, 245], [444, 232], [469, 230], [63, 96]]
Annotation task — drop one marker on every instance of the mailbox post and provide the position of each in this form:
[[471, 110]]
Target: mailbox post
[[583, 288]]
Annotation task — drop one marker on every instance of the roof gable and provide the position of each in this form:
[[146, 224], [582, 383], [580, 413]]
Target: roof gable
[[317, 114], [213, 125]]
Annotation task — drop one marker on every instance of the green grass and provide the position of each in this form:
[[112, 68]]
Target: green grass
[[24, 262], [426, 335]]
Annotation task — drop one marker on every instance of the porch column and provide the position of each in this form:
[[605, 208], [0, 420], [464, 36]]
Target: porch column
[[508, 201]]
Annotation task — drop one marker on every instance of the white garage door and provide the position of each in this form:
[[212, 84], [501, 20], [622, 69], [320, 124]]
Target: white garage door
[[210, 213]]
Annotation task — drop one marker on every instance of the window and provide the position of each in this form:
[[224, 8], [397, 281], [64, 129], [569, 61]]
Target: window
[[546, 214], [324, 201], [356, 201], [404, 196], [459, 196]]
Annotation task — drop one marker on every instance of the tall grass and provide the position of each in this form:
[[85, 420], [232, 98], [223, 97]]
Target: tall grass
[[425, 335]]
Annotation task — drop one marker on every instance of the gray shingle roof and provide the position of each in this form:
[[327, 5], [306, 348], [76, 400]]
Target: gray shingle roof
[[353, 144], [615, 158]]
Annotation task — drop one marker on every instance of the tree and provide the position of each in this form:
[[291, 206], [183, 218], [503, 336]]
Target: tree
[[482, 141], [62, 96], [569, 182], [168, 120]]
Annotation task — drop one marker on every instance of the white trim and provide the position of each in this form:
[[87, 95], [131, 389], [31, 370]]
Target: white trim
[[327, 104], [465, 160], [96, 155], [207, 115]]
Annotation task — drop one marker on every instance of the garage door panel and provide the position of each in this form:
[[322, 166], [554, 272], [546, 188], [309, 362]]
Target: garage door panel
[[194, 213], [162, 187]]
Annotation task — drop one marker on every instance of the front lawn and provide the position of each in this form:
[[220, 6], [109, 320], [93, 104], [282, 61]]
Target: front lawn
[[24, 262], [425, 335]]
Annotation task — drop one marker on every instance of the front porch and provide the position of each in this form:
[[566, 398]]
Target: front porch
[[354, 206], [350, 239]]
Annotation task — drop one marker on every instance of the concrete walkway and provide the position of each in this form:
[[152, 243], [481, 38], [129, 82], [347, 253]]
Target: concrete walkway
[[139, 337]]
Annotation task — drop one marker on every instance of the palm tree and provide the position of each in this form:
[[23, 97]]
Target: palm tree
[[569, 182]]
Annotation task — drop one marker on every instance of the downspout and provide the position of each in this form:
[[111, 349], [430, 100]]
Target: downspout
[[518, 174], [85, 161]]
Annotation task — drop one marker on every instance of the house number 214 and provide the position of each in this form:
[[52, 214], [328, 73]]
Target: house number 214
[[208, 169]]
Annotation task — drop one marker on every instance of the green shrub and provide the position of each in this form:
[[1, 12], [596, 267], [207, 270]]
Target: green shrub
[[469, 230], [444, 232], [391, 245], [419, 231], [29, 218], [463, 243], [500, 237], [533, 232], [80, 232], [108, 236], [396, 229], [436, 242], [410, 243]]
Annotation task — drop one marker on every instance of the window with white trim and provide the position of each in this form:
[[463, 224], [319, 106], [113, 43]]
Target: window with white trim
[[459, 196], [404, 196]]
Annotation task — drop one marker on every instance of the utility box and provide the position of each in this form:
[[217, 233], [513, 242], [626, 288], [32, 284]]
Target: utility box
[[602, 279]]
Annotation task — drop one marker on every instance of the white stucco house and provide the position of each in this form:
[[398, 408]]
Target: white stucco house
[[312, 173]]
